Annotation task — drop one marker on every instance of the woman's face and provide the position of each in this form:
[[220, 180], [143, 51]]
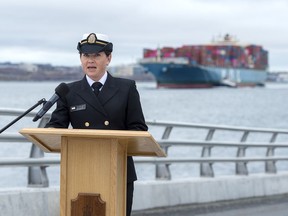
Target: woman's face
[[94, 65]]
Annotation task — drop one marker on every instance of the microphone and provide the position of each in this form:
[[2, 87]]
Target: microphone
[[60, 92]]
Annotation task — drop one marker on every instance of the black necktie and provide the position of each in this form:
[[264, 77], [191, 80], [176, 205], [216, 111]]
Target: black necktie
[[96, 86]]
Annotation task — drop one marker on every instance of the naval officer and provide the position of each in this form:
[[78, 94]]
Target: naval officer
[[101, 101]]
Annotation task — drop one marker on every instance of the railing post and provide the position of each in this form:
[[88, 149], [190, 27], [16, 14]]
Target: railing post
[[37, 176], [163, 170], [206, 169], [241, 167], [270, 166]]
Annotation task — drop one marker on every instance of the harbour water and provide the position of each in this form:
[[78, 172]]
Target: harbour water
[[264, 107]]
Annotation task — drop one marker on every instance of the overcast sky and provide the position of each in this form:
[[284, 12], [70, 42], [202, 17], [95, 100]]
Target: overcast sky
[[48, 31]]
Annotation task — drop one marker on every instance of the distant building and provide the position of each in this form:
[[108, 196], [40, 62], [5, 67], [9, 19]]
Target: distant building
[[131, 71], [278, 76], [28, 67]]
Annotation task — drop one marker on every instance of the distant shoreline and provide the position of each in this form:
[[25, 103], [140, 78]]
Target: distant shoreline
[[47, 72]]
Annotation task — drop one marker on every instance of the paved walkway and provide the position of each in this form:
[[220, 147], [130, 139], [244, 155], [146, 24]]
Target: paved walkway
[[271, 206]]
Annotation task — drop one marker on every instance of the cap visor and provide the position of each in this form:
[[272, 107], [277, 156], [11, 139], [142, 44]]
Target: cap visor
[[85, 48]]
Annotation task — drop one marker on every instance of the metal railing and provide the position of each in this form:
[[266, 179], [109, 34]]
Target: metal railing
[[206, 161], [37, 163]]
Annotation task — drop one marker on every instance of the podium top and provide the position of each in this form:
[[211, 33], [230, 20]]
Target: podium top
[[139, 143]]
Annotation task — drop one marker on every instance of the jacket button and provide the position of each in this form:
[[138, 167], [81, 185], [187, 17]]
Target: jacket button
[[87, 124], [106, 123]]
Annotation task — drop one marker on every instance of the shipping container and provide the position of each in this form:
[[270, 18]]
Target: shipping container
[[222, 55]]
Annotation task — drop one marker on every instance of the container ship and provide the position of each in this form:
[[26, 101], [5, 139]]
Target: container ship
[[223, 62]]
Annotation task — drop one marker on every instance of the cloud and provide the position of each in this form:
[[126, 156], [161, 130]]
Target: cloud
[[53, 28]]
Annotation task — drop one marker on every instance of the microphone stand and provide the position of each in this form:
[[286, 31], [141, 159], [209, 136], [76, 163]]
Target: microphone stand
[[42, 101]]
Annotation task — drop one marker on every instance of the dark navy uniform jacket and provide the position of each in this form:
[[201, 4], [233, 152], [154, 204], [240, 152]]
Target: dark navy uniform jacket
[[117, 107]]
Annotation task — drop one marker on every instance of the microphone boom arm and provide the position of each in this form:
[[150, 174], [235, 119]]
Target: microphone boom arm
[[42, 101]]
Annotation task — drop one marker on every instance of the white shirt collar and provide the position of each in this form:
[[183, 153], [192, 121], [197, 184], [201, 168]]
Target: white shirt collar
[[102, 80]]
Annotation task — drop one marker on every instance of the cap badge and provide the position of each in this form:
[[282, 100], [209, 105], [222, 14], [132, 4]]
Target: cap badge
[[91, 39]]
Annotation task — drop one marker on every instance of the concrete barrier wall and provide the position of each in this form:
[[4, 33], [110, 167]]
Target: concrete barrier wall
[[29, 202], [202, 190], [152, 194]]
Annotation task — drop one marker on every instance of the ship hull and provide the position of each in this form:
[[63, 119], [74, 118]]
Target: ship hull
[[171, 75]]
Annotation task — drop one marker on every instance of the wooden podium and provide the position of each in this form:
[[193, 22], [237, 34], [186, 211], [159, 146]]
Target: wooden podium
[[93, 166]]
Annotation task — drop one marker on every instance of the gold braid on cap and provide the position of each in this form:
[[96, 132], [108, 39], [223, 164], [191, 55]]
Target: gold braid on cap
[[92, 39]]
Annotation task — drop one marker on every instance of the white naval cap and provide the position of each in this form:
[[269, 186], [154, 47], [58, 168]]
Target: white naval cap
[[94, 43]]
